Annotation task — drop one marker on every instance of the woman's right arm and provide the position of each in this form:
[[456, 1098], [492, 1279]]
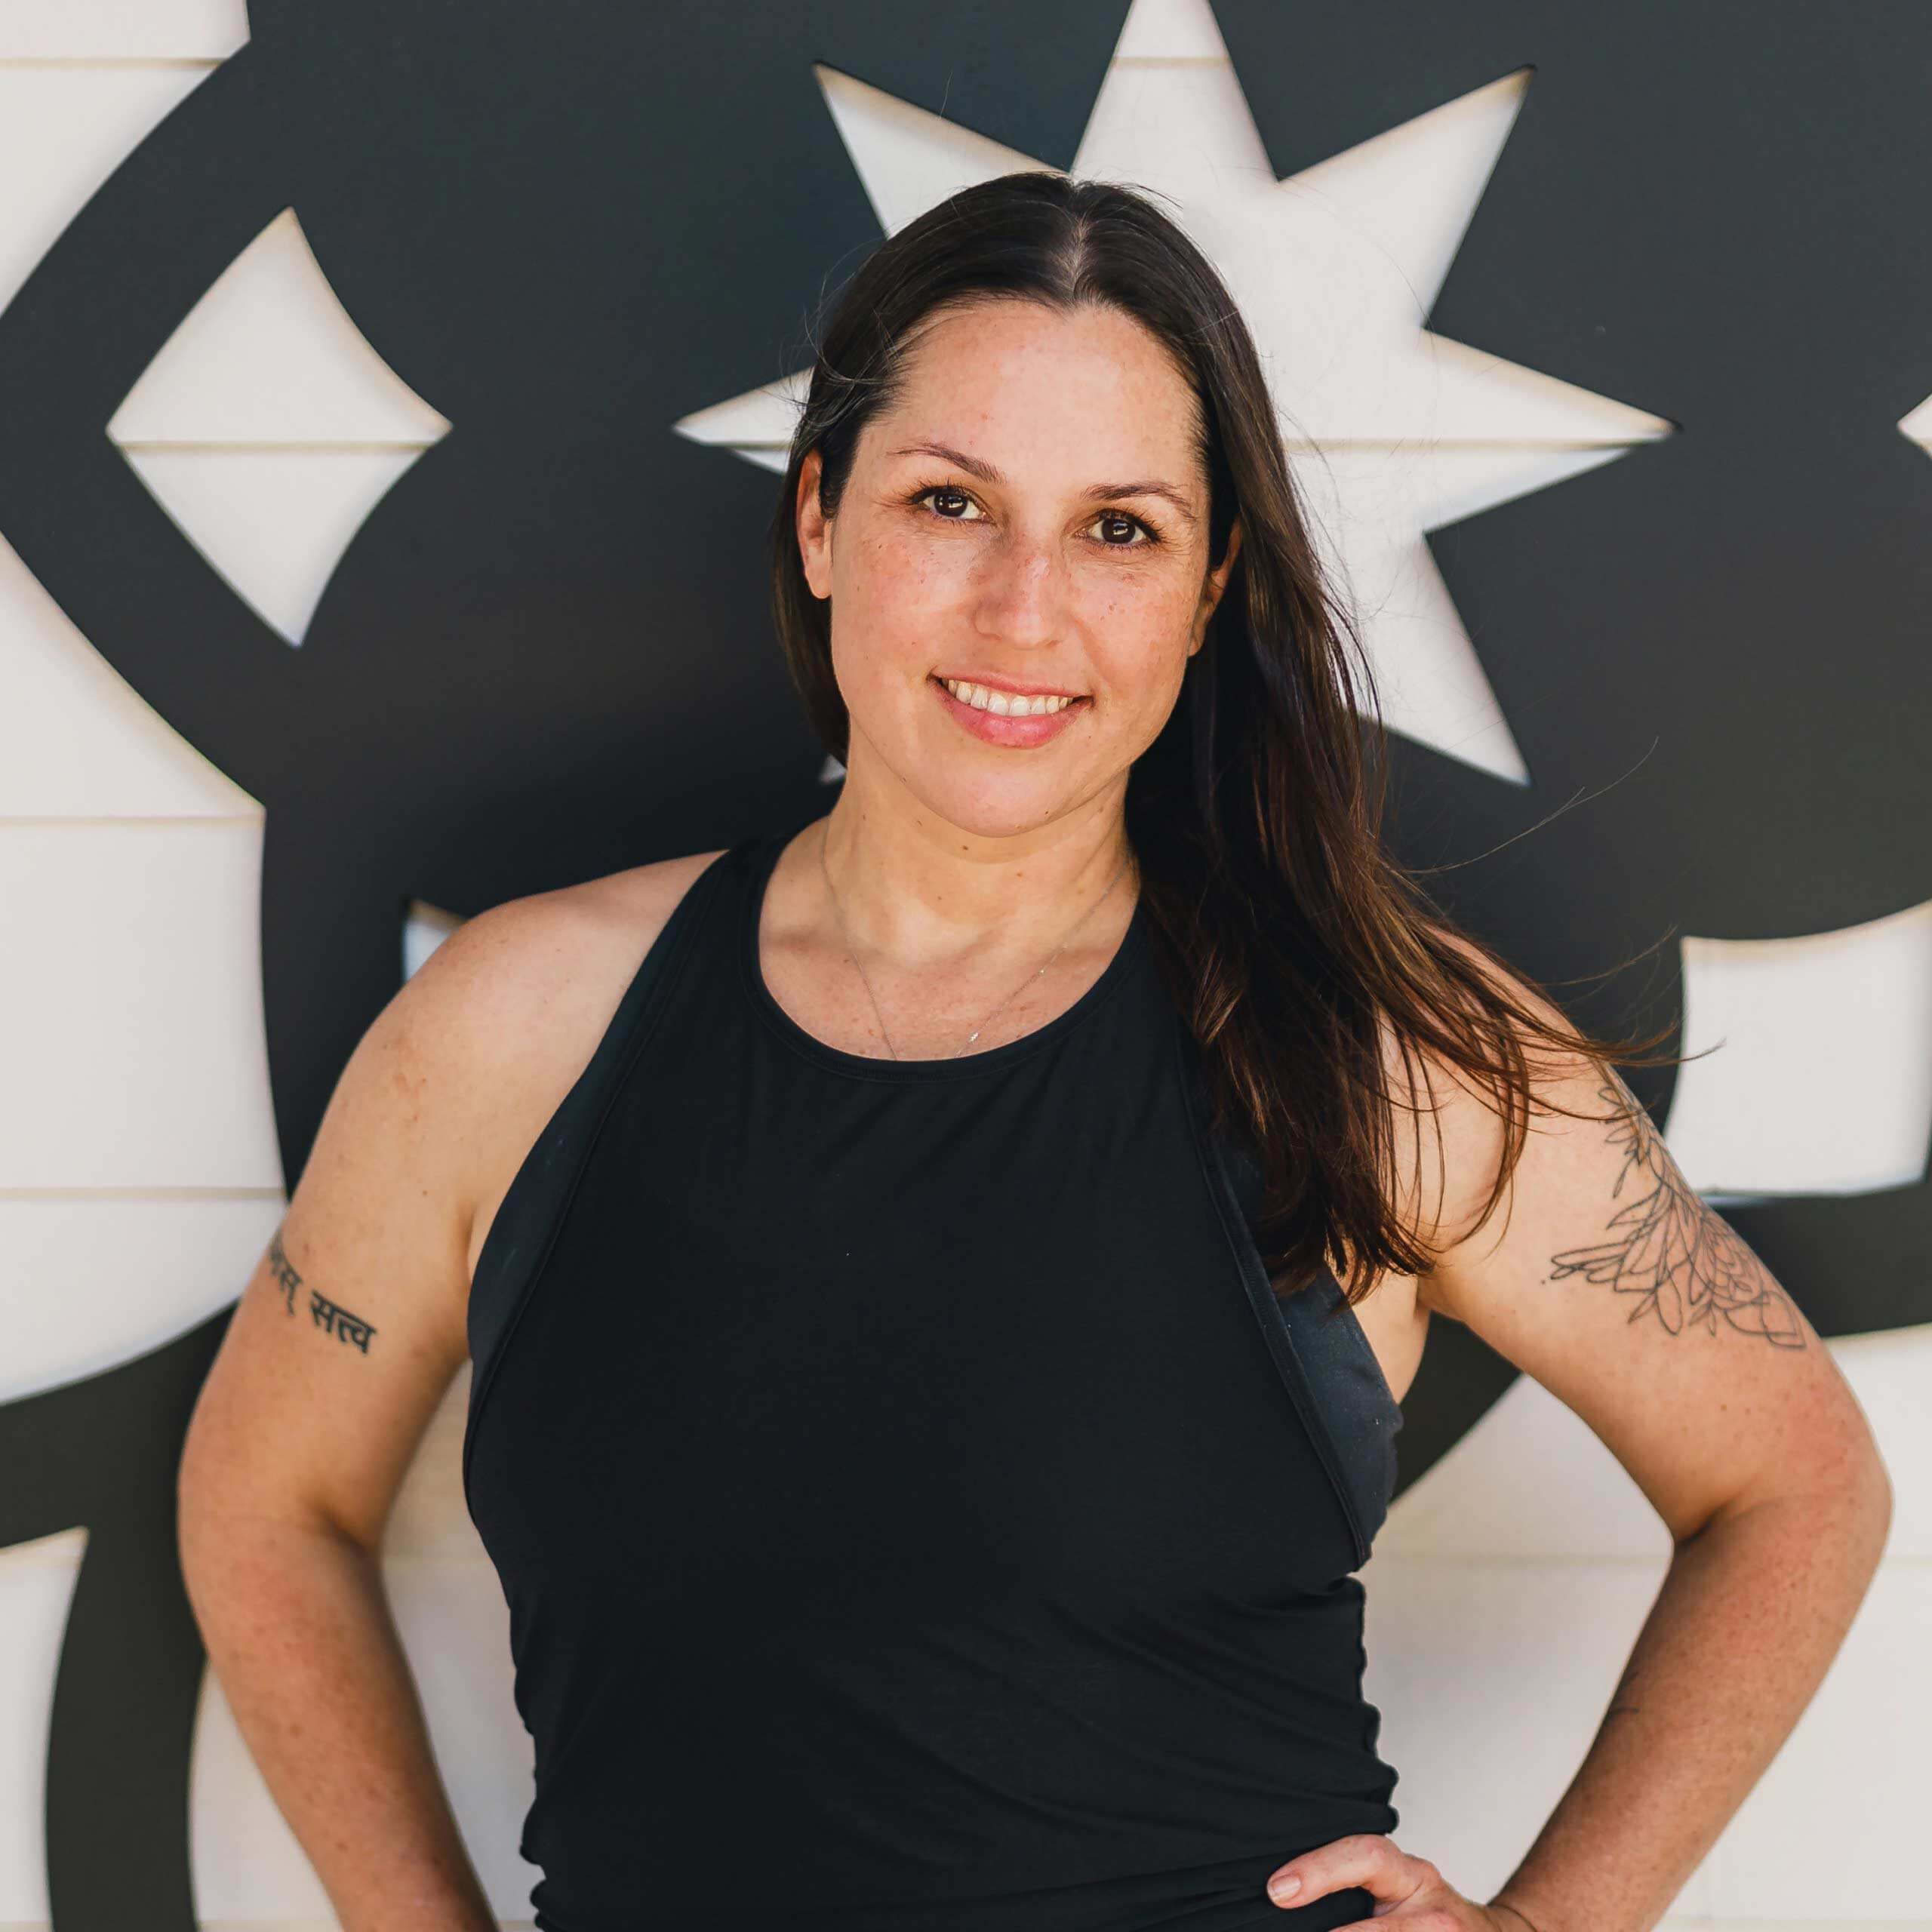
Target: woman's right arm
[[343, 1344]]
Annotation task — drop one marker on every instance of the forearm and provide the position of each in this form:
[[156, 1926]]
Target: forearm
[[1751, 1614], [300, 1633]]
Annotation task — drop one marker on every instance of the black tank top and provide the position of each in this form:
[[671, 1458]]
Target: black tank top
[[915, 1510]]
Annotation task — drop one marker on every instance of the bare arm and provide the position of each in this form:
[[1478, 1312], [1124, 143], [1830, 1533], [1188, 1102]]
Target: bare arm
[[1602, 1275], [345, 1341], [298, 1629], [1646, 1313], [301, 1438]]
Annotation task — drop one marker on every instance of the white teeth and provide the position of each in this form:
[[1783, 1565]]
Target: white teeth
[[1003, 704]]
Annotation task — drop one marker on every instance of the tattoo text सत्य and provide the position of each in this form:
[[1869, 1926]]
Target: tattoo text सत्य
[[330, 1317]]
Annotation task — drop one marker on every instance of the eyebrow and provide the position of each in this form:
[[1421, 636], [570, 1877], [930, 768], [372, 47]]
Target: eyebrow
[[1100, 492]]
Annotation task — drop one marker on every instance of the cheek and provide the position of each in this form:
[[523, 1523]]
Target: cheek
[[894, 608], [884, 606], [1141, 640], [1147, 605], [888, 572]]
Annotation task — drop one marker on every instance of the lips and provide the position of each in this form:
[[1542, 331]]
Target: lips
[[1024, 730], [1006, 701]]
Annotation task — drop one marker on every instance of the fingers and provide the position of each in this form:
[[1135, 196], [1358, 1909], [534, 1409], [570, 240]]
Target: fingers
[[1373, 1862]]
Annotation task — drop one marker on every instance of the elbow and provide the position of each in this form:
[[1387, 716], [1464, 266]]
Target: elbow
[[1843, 1499], [220, 1517], [1857, 1500], [1855, 1511], [1878, 1502], [199, 1514]]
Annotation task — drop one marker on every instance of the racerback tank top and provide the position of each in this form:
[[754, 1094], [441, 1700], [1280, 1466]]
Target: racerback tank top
[[916, 1512]]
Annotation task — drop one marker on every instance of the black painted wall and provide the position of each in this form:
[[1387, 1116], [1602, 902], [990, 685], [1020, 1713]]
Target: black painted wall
[[546, 654]]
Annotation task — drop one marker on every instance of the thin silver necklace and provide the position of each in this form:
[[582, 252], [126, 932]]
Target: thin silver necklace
[[839, 917]]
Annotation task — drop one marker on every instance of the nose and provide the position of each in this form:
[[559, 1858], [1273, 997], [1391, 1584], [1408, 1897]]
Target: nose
[[1023, 599]]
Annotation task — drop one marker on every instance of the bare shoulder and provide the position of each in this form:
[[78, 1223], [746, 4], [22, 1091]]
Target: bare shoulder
[[354, 1321], [1446, 1144], [514, 980], [526, 994], [1447, 1138], [1603, 1275]]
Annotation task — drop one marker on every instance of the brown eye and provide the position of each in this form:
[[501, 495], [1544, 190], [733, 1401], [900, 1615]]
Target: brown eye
[[949, 490], [1120, 518]]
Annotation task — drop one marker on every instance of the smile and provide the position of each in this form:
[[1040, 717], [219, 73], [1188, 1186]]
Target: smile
[[1005, 704], [1006, 718]]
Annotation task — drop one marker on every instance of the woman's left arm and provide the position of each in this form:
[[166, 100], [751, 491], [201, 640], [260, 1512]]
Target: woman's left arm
[[1603, 1275]]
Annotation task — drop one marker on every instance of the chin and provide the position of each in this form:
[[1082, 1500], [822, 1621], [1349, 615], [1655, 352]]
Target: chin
[[1006, 814]]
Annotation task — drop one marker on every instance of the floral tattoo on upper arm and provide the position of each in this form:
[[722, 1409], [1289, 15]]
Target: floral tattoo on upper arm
[[1682, 1261]]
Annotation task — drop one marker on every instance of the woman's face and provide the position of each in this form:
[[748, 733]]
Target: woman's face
[[1031, 517]]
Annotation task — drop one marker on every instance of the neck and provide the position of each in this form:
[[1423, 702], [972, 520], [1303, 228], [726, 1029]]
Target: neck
[[918, 891]]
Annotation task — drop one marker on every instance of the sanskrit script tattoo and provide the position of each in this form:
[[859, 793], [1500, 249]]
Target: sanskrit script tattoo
[[331, 1318], [284, 1273], [1683, 1262]]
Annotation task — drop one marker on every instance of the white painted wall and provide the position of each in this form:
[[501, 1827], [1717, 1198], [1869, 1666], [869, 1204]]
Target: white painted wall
[[139, 1176]]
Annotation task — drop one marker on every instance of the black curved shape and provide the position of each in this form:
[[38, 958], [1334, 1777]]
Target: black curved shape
[[546, 654]]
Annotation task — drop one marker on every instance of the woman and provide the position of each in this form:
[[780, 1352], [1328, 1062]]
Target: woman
[[918, 1416]]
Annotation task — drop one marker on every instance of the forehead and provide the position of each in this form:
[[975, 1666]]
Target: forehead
[[1027, 386]]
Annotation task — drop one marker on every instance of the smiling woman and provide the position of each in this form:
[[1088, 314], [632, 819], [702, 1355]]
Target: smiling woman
[[1024, 578], [940, 1282]]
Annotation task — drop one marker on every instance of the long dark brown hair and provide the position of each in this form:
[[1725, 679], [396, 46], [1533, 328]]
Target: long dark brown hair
[[1300, 954]]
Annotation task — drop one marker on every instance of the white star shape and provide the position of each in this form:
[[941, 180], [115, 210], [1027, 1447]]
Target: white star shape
[[1390, 431]]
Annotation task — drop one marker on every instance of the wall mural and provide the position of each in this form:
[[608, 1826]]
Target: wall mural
[[546, 655]]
